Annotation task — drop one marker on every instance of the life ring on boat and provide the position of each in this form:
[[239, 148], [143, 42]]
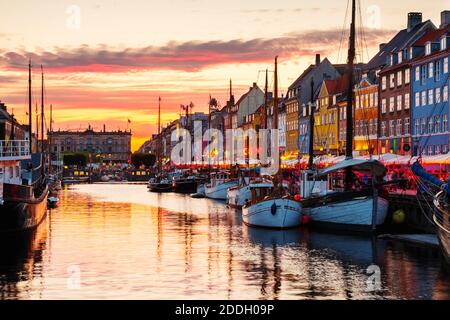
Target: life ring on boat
[[273, 209]]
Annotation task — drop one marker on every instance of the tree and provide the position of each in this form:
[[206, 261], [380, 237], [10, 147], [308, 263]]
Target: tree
[[75, 159], [146, 159]]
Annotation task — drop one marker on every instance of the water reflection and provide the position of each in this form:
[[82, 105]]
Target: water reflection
[[128, 243]]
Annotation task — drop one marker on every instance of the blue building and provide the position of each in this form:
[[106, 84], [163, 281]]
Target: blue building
[[430, 91]]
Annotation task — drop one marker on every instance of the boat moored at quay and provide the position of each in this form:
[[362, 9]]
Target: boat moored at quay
[[23, 197]]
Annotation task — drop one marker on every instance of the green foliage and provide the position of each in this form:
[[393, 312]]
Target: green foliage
[[146, 159], [75, 159]]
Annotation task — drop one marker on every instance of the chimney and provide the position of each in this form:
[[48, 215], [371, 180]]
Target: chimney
[[382, 45], [414, 18], [104, 127], [317, 59], [445, 18]]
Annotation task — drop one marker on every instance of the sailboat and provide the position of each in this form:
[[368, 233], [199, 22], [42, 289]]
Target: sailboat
[[159, 183], [270, 207], [441, 214], [54, 181], [354, 209], [241, 194], [23, 200]]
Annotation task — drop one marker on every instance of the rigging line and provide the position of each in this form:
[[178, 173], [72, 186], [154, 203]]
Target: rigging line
[[363, 33], [343, 32]]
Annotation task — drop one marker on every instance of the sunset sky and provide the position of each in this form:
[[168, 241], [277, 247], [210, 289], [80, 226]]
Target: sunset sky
[[108, 61]]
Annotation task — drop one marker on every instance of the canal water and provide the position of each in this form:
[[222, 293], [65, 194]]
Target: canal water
[[109, 241]]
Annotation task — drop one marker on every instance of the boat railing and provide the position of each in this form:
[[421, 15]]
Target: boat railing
[[14, 150]]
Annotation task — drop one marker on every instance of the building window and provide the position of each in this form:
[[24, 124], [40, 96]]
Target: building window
[[438, 149], [430, 70], [392, 80], [443, 43], [430, 97], [437, 71], [423, 125], [437, 124], [391, 128], [407, 126], [383, 128], [430, 150], [417, 77], [375, 121], [407, 103], [399, 127], [383, 83], [430, 125], [399, 79], [427, 48], [371, 127], [407, 76], [423, 74], [445, 64], [445, 94], [383, 106], [417, 95], [391, 104], [444, 123], [417, 126], [444, 148], [399, 103], [438, 95], [424, 98]]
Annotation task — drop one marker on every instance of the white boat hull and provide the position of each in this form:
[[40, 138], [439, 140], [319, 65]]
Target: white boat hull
[[288, 214], [219, 191], [237, 197], [358, 212]]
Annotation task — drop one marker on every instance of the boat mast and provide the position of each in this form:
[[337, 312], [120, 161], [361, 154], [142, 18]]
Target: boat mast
[[275, 110], [30, 117], [49, 138], [350, 76], [266, 98], [311, 128], [42, 122], [158, 156]]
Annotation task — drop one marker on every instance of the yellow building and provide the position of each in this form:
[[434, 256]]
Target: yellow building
[[326, 126], [291, 126]]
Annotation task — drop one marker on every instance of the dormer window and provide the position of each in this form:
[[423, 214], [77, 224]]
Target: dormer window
[[428, 48], [411, 53], [443, 43], [400, 57]]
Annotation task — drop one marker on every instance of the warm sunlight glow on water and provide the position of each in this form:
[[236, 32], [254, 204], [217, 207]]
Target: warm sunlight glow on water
[[120, 241]]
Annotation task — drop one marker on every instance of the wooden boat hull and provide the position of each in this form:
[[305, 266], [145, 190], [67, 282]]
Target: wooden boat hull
[[160, 187], [185, 186], [442, 220], [354, 214], [219, 191], [263, 214], [19, 215], [444, 240]]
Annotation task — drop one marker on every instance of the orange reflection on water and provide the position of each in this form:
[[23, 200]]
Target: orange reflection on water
[[129, 243]]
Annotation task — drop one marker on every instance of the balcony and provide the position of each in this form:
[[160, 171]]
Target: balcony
[[14, 150]]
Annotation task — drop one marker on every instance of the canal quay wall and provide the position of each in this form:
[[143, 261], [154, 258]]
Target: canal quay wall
[[417, 209]]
